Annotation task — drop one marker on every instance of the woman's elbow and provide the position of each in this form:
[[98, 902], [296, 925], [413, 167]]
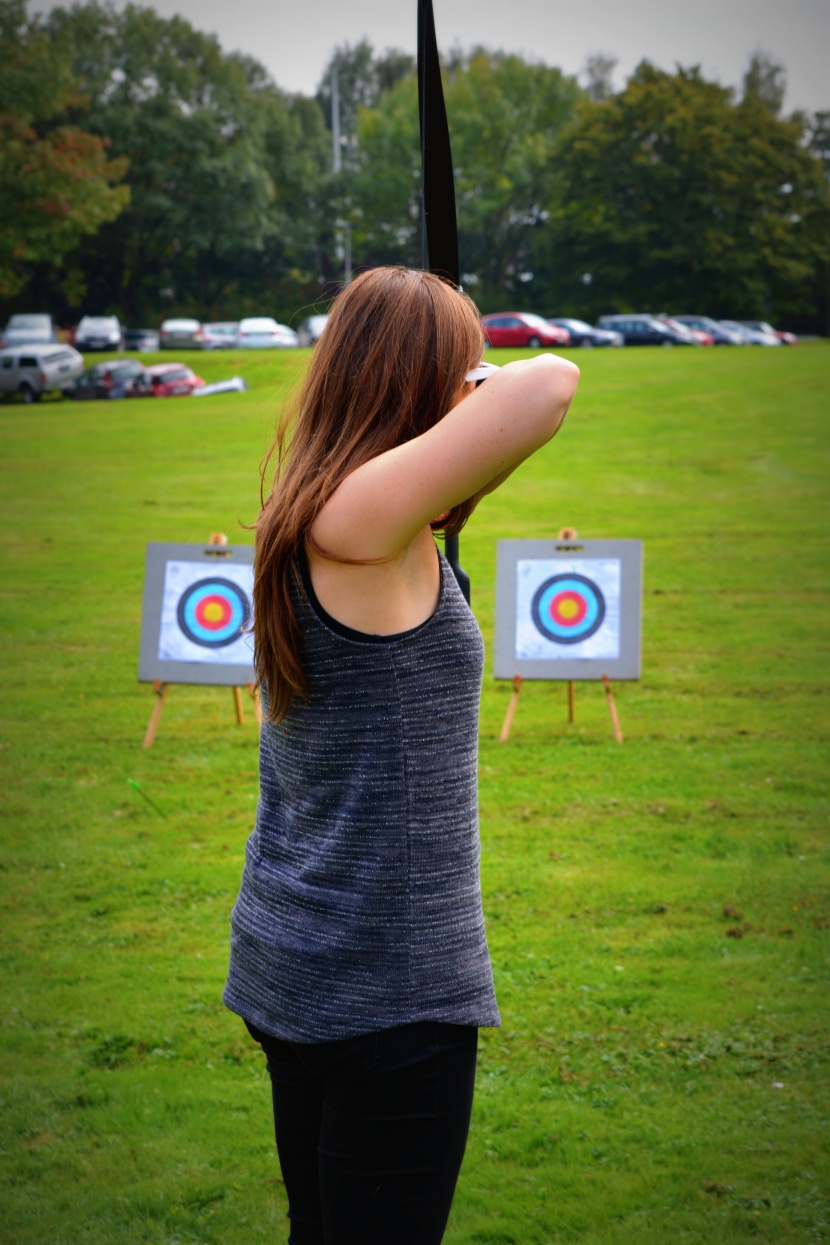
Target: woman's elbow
[[562, 381]]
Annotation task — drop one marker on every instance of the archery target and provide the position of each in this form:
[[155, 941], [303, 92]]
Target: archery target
[[212, 612], [567, 609], [206, 618]]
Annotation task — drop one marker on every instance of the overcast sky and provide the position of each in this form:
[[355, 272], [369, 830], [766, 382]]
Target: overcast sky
[[295, 38]]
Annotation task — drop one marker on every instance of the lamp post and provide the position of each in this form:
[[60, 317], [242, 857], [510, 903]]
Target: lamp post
[[344, 243]]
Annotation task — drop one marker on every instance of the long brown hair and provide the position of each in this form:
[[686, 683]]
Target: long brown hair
[[389, 364]]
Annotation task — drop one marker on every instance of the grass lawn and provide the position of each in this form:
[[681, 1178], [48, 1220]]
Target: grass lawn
[[658, 913]]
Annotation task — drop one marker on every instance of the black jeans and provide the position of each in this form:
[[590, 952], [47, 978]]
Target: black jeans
[[371, 1131]]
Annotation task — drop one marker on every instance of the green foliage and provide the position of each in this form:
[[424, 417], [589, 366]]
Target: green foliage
[[671, 195], [208, 137], [505, 116], [57, 184], [766, 79], [657, 912], [362, 78], [385, 188]]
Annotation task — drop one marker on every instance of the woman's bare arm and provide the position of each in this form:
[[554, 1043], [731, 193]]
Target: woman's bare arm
[[379, 509]]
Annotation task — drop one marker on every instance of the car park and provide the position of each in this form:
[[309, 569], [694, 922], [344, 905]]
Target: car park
[[220, 335], [165, 380], [145, 340], [33, 370], [752, 336], [181, 334], [310, 330], [98, 333], [585, 335], [522, 328], [265, 333], [641, 329], [720, 335], [107, 380], [26, 330]]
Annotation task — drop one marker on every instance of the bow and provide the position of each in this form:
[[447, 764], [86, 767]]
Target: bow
[[439, 231]]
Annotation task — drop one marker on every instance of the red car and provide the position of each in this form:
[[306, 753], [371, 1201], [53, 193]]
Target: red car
[[522, 328], [166, 380]]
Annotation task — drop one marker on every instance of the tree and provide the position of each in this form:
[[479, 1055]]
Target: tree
[[598, 70], [504, 117], [670, 195], [766, 80], [190, 121], [362, 77], [224, 169], [57, 184]]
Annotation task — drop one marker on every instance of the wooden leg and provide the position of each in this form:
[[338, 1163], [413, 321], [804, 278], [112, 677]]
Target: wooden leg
[[571, 701], [254, 694], [612, 709], [511, 709], [237, 700], [160, 690]]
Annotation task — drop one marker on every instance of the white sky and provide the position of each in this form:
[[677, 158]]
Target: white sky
[[295, 38]]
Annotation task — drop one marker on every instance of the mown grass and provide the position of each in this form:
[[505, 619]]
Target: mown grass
[[657, 912]]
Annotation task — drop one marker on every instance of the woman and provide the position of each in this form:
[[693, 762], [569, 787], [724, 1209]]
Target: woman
[[358, 954]]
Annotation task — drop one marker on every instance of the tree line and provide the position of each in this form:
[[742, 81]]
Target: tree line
[[145, 172]]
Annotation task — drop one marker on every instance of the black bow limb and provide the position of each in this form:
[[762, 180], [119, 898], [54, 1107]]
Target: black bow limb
[[439, 229]]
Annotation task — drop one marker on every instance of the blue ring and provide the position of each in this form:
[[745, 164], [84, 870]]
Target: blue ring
[[189, 601], [569, 582]]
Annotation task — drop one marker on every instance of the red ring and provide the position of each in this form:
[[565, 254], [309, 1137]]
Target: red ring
[[559, 600], [213, 624]]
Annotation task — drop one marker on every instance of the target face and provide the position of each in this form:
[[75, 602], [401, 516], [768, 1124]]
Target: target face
[[213, 612], [568, 608]]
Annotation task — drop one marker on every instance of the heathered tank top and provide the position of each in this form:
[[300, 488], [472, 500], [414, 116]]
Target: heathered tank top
[[360, 904]]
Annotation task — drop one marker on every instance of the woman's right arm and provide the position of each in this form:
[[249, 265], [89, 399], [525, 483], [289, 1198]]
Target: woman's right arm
[[379, 509]]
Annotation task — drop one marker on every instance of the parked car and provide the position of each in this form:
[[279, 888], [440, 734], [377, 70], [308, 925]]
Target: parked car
[[522, 328], [165, 380], [33, 370], [263, 333], [310, 329], [25, 330], [696, 336], [720, 335], [181, 334], [107, 380], [585, 335], [753, 337], [640, 329], [221, 335], [145, 340], [763, 326], [98, 333]]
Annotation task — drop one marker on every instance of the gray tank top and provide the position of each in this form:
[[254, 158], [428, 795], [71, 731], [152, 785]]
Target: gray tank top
[[360, 904]]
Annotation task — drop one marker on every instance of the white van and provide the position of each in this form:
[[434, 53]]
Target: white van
[[34, 370]]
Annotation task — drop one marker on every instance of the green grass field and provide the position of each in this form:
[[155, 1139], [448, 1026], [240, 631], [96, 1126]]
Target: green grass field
[[658, 913]]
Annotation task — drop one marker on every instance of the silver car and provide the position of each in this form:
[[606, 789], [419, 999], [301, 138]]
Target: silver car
[[98, 333], [310, 329], [221, 335], [25, 329], [183, 334], [265, 333], [752, 335], [32, 371]]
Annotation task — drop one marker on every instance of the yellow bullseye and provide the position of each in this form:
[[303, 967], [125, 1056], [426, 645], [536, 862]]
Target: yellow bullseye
[[568, 609], [213, 612]]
